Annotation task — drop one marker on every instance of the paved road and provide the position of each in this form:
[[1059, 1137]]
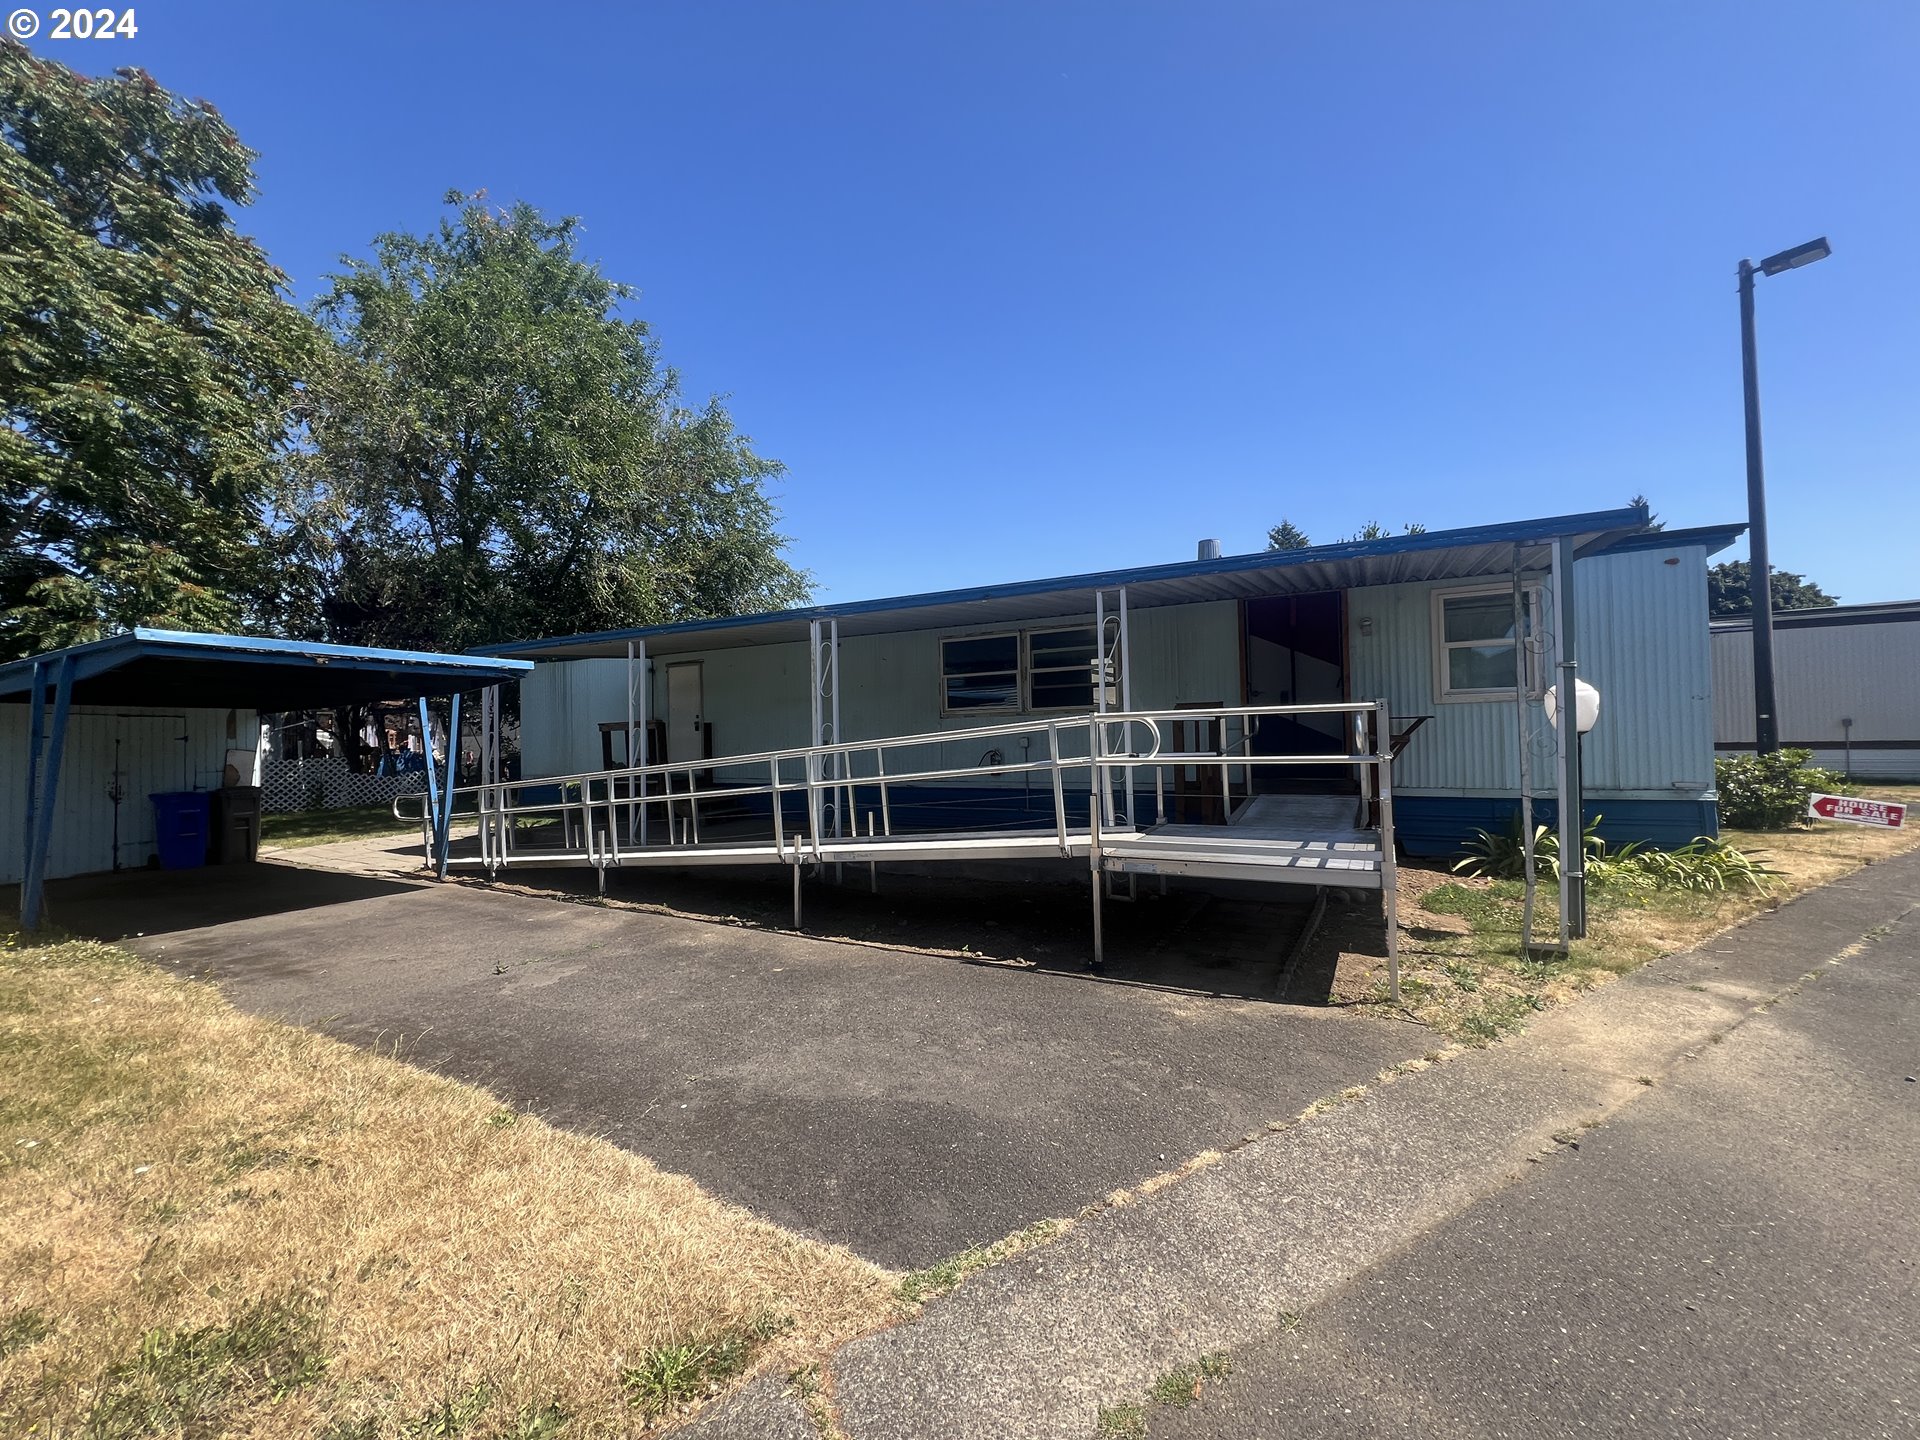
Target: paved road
[[903, 1104], [1736, 1254], [1728, 1252]]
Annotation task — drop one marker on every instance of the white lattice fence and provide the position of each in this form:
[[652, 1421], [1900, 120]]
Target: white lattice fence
[[325, 783]]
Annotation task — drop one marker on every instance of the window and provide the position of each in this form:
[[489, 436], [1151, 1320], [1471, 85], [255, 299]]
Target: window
[[1027, 670], [1060, 669], [980, 672], [1473, 642]]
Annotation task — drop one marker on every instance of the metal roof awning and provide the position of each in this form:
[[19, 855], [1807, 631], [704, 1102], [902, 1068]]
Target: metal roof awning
[[1432, 555], [172, 668]]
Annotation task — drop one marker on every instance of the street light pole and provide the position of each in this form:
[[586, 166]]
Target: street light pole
[[1766, 720], [1766, 730]]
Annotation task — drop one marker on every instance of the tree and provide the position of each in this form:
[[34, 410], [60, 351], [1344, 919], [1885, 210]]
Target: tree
[[1288, 536], [1654, 522], [149, 361], [495, 452], [1728, 591], [1374, 530]]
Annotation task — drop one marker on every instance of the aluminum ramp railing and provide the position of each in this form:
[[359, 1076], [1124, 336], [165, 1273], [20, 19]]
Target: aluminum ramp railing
[[650, 815]]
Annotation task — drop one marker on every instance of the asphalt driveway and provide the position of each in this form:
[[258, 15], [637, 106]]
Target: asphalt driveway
[[905, 1105]]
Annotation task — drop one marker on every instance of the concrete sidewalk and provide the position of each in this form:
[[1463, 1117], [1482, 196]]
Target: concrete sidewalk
[[1738, 1254], [1380, 1188]]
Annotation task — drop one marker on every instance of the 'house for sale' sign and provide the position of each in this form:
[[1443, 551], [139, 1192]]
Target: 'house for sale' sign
[[1889, 814]]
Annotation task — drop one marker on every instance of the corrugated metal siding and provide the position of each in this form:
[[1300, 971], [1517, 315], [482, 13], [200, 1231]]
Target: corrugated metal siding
[[1901, 764], [1643, 643], [1821, 675], [756, 697], [561, 707], [158, 751]]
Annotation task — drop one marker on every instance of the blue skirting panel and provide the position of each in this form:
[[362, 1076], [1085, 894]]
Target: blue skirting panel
[[1443, 824]]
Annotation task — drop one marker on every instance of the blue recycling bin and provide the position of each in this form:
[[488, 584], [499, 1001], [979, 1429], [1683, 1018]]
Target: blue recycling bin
[[180, 828]]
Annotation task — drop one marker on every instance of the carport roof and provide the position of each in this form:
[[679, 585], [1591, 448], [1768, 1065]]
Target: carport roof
[[1430, 555], [176, 668]]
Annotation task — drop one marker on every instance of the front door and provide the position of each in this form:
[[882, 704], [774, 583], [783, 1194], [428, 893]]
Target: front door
[[685, 712], [1296, 655]]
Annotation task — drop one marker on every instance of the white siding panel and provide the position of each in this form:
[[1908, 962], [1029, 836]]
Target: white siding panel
[[1642, 643], [756, 697], [561, 706], [157, 751], [1823, 674]]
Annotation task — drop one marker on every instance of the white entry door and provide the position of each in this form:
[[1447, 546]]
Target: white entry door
[[684, 712]]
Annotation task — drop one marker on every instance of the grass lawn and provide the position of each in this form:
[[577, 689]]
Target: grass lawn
[[1461, 971], [212, 1224], [294, 828]]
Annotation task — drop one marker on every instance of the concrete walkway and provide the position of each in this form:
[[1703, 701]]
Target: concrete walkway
[[1438, 1258]]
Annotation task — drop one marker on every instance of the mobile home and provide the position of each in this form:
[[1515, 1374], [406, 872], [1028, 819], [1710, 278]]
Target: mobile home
[[1846, 686], [1456, 631]]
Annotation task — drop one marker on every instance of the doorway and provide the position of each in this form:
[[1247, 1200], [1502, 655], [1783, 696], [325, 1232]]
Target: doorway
[[1296, 654], [685, 712]]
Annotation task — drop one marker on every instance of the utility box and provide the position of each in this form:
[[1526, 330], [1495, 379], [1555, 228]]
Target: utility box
[[180, 828], [236, 824]]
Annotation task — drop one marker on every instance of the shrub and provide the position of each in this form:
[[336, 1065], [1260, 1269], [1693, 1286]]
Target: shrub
[[1503, 857], [1702, 865], [1769, 792]]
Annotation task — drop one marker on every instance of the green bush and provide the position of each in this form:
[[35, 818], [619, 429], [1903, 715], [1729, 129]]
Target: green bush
[[1769, 792]]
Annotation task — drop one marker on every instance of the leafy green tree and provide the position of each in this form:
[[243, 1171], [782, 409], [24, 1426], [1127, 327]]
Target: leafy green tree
[[1288, 536], [496, 452], [149, 358], [1374, 530], [1728, 591]]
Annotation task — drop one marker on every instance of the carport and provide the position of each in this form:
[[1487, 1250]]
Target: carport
[[203, 684]]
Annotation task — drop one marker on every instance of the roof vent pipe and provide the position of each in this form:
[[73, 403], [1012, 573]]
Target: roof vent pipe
[[1209, 549]]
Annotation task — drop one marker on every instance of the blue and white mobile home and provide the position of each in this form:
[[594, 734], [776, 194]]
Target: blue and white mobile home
[[1424, 622]]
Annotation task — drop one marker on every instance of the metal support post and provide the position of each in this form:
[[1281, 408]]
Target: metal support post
[[1389, 865], [1523, 723], [36, 726], [43, 785], [1573, 879], [1126, 705], [1095, 746], [815, 680]]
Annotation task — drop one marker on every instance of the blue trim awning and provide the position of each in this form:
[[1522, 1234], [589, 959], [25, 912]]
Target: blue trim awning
[[1430, 555], [175, 668]]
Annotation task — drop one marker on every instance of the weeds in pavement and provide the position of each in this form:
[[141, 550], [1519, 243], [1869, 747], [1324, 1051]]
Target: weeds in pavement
[[920, 1286]]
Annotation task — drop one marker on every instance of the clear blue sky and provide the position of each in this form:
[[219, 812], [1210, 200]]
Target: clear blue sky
[[1019, 289]]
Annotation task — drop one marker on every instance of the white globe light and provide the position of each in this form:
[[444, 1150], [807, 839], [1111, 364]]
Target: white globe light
[[1586, 706]]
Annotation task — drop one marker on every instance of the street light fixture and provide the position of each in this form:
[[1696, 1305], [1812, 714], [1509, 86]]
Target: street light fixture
[[1766, 722]]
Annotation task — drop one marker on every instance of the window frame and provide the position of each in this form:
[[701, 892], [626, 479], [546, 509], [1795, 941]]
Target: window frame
[[1444, 692], [1018, 672], [1023, 675], [1028, 707]]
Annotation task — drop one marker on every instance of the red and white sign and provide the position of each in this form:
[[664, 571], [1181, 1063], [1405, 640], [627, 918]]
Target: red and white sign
[[1889, 814]]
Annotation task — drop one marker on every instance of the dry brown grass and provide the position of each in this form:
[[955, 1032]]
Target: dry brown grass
[[1461, 969], [364, 1249]]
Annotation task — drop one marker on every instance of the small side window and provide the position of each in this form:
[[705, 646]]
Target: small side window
[[980, 672], [1060, 669], [1473, 634]]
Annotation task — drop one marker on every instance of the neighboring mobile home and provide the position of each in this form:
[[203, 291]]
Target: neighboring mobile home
[[1846, 683], [1425, 622]]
